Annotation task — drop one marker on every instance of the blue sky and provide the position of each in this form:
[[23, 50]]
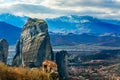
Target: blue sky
[[109, 9]]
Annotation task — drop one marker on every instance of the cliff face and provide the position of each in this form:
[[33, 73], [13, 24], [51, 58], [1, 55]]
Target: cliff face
[[3, 50], [34, 45]]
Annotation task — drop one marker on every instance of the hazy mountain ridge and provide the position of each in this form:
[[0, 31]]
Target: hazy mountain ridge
[[70, 24], [14, 20], [9, 32], [67, 30], [83, 24], [75, 39]]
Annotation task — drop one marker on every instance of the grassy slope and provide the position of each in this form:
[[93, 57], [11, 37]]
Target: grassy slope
[[14, 73]]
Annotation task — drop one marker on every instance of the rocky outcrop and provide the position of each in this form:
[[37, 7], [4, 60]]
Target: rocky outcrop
[[3, 50], [34, 45], [61, 60]]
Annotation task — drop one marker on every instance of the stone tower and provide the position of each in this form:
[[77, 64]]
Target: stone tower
[[61, 60], [3, 50], [34, 46]]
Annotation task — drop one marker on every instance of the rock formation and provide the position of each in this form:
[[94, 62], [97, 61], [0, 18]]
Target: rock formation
[[3, 50], [61, 60], [34, 46]]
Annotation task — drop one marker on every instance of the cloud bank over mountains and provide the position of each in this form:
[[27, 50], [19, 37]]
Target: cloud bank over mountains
[[108, 9]]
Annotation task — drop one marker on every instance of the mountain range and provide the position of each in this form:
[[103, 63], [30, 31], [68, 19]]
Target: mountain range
[[76, 39], [83, 24], [9, 32], [70, 24], [67, 30], [17, 21]]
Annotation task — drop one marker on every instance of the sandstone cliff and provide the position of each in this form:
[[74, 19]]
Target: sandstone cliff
[[3, 50], [34, 46]]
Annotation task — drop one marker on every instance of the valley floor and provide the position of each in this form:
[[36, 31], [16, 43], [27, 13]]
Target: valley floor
[[93, 66]]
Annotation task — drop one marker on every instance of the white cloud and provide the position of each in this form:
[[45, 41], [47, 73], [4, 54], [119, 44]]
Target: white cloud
[[53, 8]]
